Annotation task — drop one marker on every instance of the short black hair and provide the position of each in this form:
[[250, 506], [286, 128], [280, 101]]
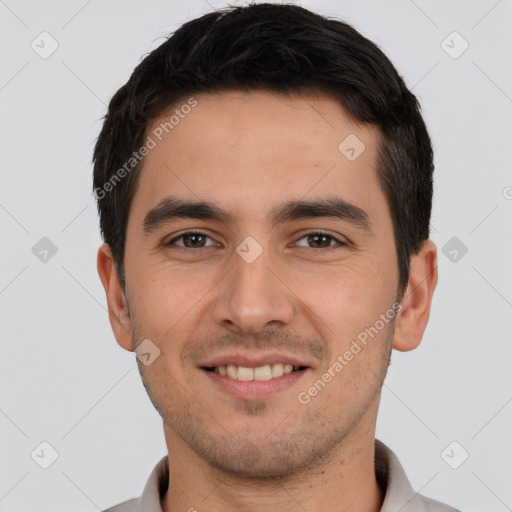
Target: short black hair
[[277, 47]]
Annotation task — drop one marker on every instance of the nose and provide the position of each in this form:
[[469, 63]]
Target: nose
[[253, 296]]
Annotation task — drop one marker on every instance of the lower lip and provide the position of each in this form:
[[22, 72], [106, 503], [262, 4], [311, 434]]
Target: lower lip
[[255, 389]]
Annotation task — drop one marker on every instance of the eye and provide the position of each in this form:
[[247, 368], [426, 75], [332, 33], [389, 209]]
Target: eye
[[320, 240], [191, 240], [197, 240]]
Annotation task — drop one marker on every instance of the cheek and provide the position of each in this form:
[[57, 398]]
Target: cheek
[[343, 301], [165, 300], [345, 291]]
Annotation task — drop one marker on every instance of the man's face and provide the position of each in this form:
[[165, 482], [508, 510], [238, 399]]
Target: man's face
[[257, 290]]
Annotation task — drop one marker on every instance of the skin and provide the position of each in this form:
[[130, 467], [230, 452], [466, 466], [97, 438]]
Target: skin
[[248, 152]]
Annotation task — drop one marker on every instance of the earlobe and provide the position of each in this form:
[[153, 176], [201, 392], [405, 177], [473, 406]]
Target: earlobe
[[118, 312], [413, 317]]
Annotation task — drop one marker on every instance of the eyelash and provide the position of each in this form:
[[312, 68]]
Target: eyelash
[[304, 235]]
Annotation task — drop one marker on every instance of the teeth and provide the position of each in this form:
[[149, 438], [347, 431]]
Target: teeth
[[245, 373], [277, 370], [261, 373], [267, 372], [232, 371]]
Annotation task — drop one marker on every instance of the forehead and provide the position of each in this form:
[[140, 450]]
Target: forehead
[[248, 152]]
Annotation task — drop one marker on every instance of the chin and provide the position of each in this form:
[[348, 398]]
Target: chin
[[263, 458]]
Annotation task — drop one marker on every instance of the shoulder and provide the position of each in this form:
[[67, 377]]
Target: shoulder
[[431, 505], [399, 494], [125, 506]]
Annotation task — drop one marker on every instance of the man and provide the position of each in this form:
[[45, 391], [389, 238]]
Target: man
[[264, 185]]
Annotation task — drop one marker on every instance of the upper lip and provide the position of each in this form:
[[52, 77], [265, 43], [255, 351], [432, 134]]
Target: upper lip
[[253, 360]]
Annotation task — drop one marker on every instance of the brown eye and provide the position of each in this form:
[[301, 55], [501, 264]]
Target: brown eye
[[319, 240], [191, 240]]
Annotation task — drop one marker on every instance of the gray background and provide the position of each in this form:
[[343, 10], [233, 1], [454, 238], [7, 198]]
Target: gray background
[[63, 378]]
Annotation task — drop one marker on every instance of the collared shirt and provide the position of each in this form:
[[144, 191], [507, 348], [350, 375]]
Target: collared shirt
[[399, 495]]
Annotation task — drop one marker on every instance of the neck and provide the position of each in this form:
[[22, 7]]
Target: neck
[[345, 482]]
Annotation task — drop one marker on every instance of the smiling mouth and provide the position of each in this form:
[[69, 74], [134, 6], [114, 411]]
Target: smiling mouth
[[260, 373]]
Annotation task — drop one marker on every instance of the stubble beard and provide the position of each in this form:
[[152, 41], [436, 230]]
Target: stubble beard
[[276, 454]]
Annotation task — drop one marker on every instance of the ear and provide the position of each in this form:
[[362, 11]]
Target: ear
[[117, 305], [413, 317]]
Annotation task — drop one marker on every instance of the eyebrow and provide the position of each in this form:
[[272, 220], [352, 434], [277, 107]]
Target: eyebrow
[[172, 208]]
